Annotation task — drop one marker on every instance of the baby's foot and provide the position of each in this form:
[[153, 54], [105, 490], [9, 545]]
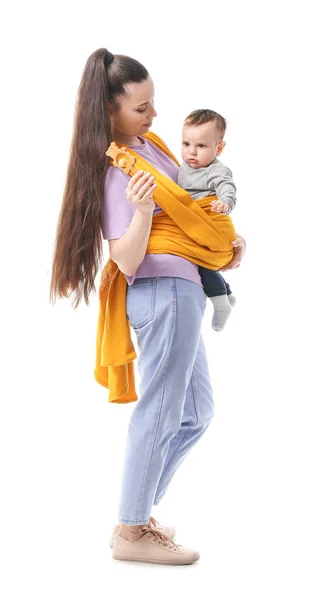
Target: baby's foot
[[231, 299], [222, 310]]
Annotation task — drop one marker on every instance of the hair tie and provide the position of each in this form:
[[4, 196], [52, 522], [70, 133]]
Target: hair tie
[[108, 58]]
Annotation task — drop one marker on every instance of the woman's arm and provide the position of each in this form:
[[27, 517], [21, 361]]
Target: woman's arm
[[240, 246], [129, 250]]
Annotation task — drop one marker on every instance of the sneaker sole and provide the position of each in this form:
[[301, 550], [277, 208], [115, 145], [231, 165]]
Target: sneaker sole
[[132, 558]]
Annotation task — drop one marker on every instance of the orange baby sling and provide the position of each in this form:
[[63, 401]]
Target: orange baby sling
[[186, 228]]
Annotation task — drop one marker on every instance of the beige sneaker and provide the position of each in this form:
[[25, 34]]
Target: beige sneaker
[[169, 531], [153, 546]]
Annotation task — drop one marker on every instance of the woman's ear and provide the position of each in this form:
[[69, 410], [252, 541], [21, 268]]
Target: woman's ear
[[220, 148]]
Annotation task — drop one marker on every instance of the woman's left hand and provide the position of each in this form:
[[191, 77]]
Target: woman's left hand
[[240, 246]]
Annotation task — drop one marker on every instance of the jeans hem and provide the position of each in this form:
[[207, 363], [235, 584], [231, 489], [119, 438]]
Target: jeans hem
[[131, 522]]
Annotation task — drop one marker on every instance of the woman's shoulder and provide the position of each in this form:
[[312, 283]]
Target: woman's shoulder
[[115, 179], [114, 196], [117, 210]]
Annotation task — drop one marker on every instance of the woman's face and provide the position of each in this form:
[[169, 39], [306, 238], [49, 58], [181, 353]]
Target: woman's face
[[135, 111]]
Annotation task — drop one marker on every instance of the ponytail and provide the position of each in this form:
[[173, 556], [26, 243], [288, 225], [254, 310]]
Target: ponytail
[[79, 240]]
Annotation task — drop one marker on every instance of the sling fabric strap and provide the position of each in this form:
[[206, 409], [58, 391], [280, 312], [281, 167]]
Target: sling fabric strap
[[185, 228]]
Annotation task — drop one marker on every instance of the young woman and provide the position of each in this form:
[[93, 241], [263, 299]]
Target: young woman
[[165, 299]]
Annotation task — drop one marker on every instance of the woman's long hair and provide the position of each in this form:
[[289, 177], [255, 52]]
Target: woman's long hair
[[78, 245]]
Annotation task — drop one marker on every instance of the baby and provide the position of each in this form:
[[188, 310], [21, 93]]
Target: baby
[[202, 174]]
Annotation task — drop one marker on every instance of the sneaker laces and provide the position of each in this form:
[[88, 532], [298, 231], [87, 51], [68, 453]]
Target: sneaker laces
[[162, 538], [155, 523]]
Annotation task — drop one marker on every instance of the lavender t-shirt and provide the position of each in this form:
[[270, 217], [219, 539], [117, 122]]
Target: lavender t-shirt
[[118, 212]]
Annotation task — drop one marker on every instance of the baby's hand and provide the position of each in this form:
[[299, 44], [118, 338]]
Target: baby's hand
[[219, 206]]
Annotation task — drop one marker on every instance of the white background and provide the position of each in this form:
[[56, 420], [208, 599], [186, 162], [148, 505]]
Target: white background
[[243, 497]]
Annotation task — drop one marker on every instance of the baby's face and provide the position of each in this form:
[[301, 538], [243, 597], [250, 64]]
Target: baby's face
[[200, 144]]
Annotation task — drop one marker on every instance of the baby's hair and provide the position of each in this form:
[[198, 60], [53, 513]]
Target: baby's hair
[[204, 115]]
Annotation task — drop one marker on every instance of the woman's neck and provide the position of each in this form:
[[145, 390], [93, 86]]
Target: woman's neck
[[127, 140]]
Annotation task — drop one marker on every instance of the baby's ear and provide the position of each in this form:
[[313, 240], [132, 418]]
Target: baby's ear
[[220, 148]]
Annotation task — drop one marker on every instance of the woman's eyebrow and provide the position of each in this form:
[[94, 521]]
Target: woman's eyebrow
[[143, 104]]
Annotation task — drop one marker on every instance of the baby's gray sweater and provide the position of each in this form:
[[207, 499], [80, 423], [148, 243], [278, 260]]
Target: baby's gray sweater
[[214, 179]]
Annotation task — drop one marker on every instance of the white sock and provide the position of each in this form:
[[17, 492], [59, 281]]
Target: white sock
[[222, 310], [232, 299]]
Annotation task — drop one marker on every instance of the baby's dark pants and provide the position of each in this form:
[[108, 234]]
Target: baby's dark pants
[[213, 283]]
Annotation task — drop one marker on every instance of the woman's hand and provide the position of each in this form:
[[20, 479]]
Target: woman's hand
[[140, 191], [240, 246]]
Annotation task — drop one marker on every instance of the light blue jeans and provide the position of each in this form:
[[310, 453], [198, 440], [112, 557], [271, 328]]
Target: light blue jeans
[[175, 404]]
